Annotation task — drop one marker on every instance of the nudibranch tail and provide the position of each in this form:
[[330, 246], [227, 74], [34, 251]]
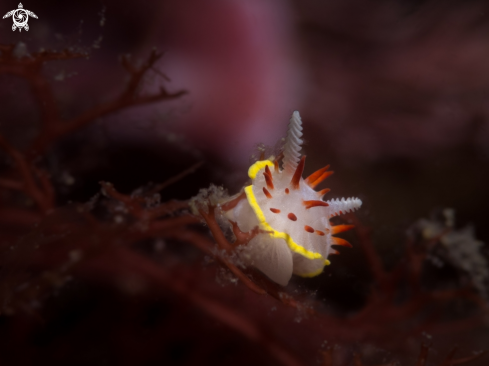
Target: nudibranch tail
[[293, 144]]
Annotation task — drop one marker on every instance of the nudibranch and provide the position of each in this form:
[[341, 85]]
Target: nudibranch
[[290, 219]]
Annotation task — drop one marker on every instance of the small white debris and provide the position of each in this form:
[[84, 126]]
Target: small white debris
[[20, 50], [75, 255], [118, 219], [159, 245]]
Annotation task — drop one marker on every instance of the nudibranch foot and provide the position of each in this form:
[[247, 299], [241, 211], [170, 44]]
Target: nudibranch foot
[[270, 256]]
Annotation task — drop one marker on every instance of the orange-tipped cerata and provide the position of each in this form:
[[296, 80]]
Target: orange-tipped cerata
[[268, 178], [314, 203], [341, 228], [339, 241], [267, 171], [269, 196], [292, 217], [316, 174], [308, 229], [322, 192], [323, 176], [294, 183]]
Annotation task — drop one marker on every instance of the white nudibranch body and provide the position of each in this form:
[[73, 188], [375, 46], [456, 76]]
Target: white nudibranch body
[[295, 234]]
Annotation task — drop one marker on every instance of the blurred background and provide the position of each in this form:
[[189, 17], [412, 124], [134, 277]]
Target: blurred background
[[394, 94]]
